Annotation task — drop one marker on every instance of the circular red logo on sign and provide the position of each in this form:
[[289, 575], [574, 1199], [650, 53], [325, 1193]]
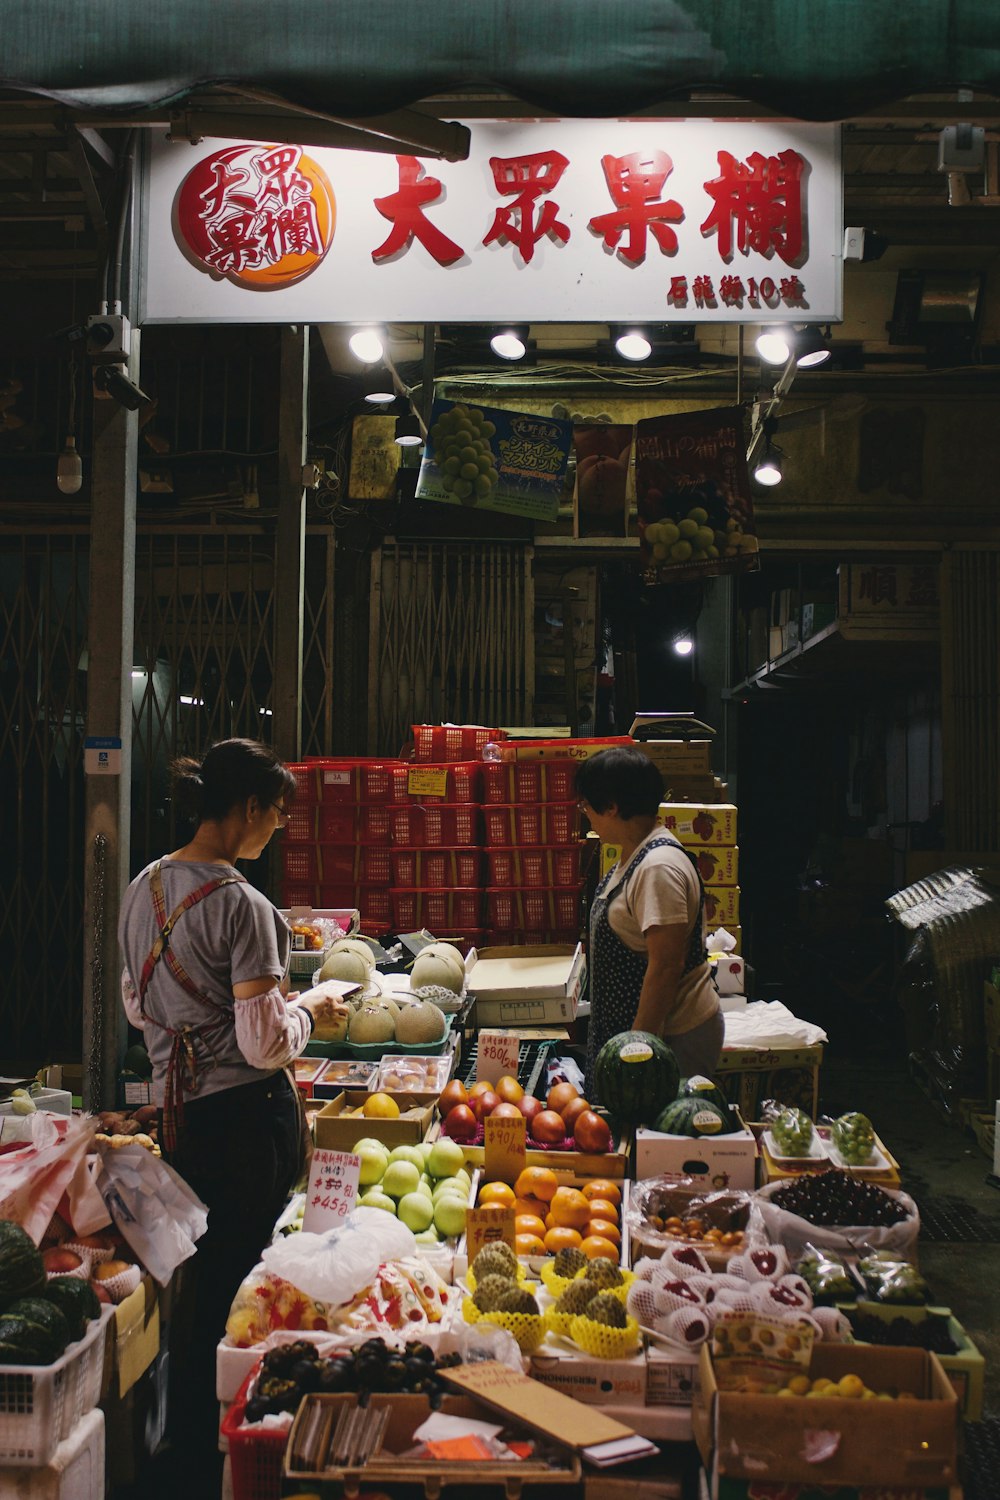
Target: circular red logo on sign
[[260, 216]]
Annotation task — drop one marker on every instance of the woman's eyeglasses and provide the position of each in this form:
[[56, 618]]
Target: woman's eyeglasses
[[283, 813]]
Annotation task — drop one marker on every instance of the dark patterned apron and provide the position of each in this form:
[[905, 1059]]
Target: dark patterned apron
[[616, 971]]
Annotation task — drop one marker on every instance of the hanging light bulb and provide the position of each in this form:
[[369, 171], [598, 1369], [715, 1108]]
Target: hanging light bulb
[[768, 468], [69, 468], [684, 645], [510, 342], [773, 346], [632, 343], [366, 345]]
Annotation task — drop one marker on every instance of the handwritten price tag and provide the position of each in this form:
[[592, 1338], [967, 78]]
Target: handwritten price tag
[[505, 1143], [497, 1054], [426, 783], [332, 1191], [484, 1226]]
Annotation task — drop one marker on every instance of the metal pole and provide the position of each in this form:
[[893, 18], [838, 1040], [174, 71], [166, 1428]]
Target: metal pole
[[290, 544]]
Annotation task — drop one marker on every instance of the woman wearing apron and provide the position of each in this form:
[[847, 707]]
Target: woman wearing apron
[[205, 958], [648, 965]]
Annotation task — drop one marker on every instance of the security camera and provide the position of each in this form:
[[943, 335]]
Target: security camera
[[111, 380]]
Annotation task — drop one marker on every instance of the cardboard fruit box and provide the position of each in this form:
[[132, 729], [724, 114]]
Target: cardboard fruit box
[[717, 1161], [965, 1369], [337, 1129], [833, 1441]]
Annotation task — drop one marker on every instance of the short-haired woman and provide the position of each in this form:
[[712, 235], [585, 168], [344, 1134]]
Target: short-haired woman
[[648, 964], [205, 960]]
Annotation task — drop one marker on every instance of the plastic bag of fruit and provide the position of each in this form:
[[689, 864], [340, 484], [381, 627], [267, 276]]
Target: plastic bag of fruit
[[791, 1128], [835, 1211], [334, 1266], [664, 1211], [889, 1278]]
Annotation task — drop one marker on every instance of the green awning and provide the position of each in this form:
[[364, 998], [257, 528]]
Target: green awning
[[815, 59]]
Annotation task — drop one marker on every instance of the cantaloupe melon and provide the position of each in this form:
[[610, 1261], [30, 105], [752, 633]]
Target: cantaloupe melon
[[345, 964], [351, 945], [439, 963], [420, 1024], [372, 1023], [331, 1029]]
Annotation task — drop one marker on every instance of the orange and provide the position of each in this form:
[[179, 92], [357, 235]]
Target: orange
[[496, 1192], [528, 1244], [571, 1209], [536, 1206], [537, 1182], [381, 1107], [562, 1239], [529, 1224], [600, 1208], [595, 1245], [600, 1187], [606, 1230]]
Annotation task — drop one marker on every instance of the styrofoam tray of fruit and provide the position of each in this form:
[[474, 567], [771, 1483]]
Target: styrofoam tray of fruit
[[375, 1051], [406, 1071], [818, 1148]]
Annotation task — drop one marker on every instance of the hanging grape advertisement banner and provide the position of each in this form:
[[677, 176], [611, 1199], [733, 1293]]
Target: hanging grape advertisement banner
[[693, 496], [485, 459]]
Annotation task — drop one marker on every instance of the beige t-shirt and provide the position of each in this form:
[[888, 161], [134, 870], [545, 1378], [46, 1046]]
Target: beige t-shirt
[[663, 891]]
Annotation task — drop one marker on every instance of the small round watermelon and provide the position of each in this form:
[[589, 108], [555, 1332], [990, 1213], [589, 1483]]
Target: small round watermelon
[[633, 1073], [700, 1087], [694, 1116]]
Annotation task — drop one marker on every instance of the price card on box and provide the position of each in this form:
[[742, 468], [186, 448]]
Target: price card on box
[[504, 1143], [332, 1191], [497, 1054], [426, 783], [484, 1226]]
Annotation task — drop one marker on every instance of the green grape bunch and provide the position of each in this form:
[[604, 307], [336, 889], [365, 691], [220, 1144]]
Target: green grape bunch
[[692, 539], [461, 442]]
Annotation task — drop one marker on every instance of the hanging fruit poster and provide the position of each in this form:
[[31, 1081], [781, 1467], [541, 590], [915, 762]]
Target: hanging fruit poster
[[693, 495], [483, 458]]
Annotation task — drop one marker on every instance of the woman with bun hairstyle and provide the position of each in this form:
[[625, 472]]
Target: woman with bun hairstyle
[[205, 960], [648, 963]]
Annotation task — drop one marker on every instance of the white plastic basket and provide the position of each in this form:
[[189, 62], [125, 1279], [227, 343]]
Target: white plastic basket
[[41, 1404]]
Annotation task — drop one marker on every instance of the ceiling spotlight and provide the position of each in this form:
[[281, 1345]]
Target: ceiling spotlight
[[510, 342], [366, 345], [684, 645], [408, 433], [811, 348], [767, 470], [377, 387], [69, 468], [632, 343], [773, 346]]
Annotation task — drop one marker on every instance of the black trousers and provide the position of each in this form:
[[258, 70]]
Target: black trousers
[[240, 1151]]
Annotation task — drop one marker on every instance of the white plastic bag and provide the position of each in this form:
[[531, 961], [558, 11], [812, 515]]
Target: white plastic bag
[[334, 1266], [35, 1175], [152, 1207]]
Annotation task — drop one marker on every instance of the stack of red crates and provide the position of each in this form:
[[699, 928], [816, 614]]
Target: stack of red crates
[[534, 853]]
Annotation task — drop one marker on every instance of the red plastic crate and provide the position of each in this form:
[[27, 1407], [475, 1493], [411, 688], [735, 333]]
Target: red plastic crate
[[328, 823], [533, 910], [454, 781], [329, 863], [533, 823], [369, 900], [435, 868], [434, 826], [350, 781], [437, 909], [256, 1454], [537, 865], [529, 781], [452, 741]]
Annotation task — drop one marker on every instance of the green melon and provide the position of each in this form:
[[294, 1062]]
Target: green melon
[[372, 1024], [633, 1073], [694, 1116], [344, 963], [22, 1272], [42, 1330], [420, 1024], [76, 1299], [699, 1087], [439, 963]]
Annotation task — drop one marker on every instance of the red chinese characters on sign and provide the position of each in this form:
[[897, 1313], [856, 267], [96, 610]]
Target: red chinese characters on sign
[[260, 216], [405, 211], [635, 183], [526, 179], [758, 201]]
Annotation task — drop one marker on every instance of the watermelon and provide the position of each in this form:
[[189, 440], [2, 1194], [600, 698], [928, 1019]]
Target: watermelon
[[633, 1073], [694, 1116], [700, 1087], [22, 1272], [34, 1328], [76, 1299]]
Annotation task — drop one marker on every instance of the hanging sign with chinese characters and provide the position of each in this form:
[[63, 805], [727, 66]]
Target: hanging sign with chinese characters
[[693, 495], [547, 221], [495, 460]]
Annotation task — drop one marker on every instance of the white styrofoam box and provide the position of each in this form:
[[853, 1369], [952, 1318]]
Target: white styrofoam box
[[58, 1101], [232, 1366], [729, 971], [595, 1382], [717, 1160], [74, 1472]]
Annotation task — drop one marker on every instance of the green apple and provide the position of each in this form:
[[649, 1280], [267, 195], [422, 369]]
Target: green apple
[[423, 1187], [446, 1159], [407, 1153], [374, 1161], [400, 1178], [366, 1142], [450, 1185], [449, 1216], [375, 1198], [428, 1236], [415, 1212], [425, 1148]]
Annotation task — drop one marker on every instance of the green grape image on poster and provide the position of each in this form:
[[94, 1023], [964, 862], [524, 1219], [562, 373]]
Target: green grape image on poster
[[485, 459]]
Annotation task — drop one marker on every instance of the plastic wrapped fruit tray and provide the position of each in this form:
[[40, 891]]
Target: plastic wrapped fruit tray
[[41, 1404], [375, 1051], [349, 781]]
